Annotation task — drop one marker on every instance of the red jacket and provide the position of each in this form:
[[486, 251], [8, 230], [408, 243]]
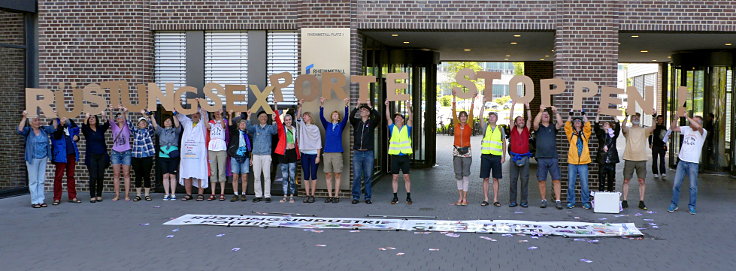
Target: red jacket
[[281, 146]]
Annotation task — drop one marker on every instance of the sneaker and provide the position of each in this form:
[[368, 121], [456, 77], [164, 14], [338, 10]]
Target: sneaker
[[235, 198], [268, 199], [395, 200], [691, 210], [586, 206], [355, 201], [558, 205], [570, 205], [408, 201], [328, 200], [243, 197], [257, 199], [624, 204], [524, 205], [543, 204], [656, 175], [166, 197], [512, 204], [642, 206], [172, 197], [672, 208]]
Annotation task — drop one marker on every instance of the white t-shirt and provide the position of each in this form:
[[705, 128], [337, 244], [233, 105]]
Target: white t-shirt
[[692, 144], [217, 136]]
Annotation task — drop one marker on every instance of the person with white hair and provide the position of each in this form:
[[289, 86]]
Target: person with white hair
[[193, 166]]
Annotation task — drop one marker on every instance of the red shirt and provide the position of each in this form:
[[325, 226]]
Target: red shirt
[[519, 141]]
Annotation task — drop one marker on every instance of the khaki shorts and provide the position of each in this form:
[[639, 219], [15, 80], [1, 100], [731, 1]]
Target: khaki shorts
[[639, 166], [332, 162]]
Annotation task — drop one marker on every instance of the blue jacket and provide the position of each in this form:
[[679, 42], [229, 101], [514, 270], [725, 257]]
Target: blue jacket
[[58, 145], [333, 132], [45, 131]]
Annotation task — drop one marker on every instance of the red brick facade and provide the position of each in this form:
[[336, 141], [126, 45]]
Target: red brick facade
[[89, 41], [12, 83]]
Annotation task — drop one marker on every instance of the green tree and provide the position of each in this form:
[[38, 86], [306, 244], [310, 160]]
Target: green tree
[[502, 100], [518, 68], [445, 101]]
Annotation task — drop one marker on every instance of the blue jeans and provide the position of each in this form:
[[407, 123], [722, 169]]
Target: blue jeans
[[363, 167], [573, 171], [288, 172], [691, 169], [36, 177]]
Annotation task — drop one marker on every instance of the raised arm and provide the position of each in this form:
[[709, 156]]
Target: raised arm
[[538, 118], [511, 115], [388, 114], [454, 110], [322, 112], [558, 118], [674, 126], [22, 124], [299, 110], [409, 118], [345, 114], [624, 127], [528, 115], [650, 129], [696, 124], [483, 122]]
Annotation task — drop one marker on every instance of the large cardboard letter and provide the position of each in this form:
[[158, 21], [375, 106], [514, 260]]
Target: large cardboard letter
[[364, 85], [275, 80], [125, 97], [313, 84], [528, 89], [488, 81], [115, 87], [634, 98], [214, 97], [681, 100], [606, 101], [33, 104], [338, 85], [193, 102], [470, 85], [392, 87], [579, 94], [155, 93], [546, 90], [231, 98], [92, 95], [261, 99], [77, 102]]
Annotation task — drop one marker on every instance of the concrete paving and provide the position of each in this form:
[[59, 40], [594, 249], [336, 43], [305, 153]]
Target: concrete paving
[[130, 236]]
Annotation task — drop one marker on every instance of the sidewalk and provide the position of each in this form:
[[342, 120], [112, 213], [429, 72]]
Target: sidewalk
[[129, 236]]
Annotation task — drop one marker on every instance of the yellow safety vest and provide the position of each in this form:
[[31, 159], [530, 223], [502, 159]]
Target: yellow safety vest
[[491, 143], [400, 142]]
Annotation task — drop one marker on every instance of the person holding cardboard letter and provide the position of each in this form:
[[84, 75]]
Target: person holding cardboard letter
[[239, 148], [635, 156], [462, 156], [363, 134], [493, 155], [578, 133], [121, 152], [519, 168], [287, 150], [692, 145], [333, 148], [310, 139], [193, 163], [607, 135], [400, 150], [96, 157], [65, 155], [143, 152], [261, 155], [37, 152], [168, 155], [546, 154], [217, 153]]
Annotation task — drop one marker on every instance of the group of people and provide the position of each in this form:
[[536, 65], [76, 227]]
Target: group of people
[[200, 151], [578, 131]]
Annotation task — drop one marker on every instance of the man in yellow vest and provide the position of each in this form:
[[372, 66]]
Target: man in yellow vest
[[400, 150], [493, 155]]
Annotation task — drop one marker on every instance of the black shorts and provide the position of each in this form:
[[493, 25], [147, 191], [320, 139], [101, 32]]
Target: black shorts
[[490, 164], [168, 165], [400, 162], [288, 157]]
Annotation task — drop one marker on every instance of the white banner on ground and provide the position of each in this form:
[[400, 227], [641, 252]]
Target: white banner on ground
[[560, 228]]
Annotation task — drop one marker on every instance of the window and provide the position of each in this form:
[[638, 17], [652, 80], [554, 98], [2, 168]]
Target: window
[[283, 56], [170, 59], [226, 60]]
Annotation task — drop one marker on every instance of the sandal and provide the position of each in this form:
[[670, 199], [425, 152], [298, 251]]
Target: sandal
[[137, 199], [211, 198], [99, 199], [282, 200], [93, 200], [116, 198], [222, 197], [459, 202], [200, 197], [497, 204], [36, 205], [148, 198], [43, 205], [306, 199], [465, 203], [484, 203], [75, 200], [56, 202], [187, 197], [291, 199]]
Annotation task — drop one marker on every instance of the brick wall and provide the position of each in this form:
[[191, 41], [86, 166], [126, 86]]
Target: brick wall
[[677, 15], [538, 70], [12, 84], [223, 14]]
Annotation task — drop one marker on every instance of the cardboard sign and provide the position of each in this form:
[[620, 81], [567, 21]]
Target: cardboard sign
[[114, 87], [261, 99], [364, 85], [231, 98], [546, 90], [313, 84], [275, 80], [212, 96], [77, 102], [155, 95], [606, 101], [392, 87], [128, 103], [528, 89], [192, 102], [681, 100], [338, 85], [93, 95], [646, 104], [470, 85], [33, 103], [579, 93], [488, 78]]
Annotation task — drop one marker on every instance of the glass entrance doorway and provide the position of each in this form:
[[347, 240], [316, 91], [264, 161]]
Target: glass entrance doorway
[[708, 76]]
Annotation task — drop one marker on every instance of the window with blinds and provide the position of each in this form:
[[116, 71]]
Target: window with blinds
[[226, 60], [170, 59], [283, 56]]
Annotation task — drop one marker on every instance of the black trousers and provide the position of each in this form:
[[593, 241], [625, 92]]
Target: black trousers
[[96, 170], [142, 169], [658, 151], [607, 176]]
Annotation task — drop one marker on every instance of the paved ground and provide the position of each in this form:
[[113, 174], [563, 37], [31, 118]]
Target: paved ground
[[114, 235]]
